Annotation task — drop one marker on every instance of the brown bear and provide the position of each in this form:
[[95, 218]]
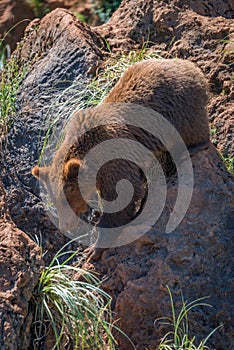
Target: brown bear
[[174, 88]]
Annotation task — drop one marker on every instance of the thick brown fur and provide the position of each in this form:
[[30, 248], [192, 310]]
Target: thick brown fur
[[175, 88]]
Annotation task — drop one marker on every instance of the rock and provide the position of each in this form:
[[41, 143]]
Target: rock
[[20, 264], [17, 14], [53, 4], [152, 19], [80, 8], [59, 51], [62, 51], [201, 31], [195, 258]]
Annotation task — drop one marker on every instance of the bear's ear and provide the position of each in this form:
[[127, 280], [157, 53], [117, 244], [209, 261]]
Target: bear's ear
[[71, 168], [41, 173]]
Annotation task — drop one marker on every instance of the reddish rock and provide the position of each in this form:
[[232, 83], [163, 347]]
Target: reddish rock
[[150, 20], [195, 258], [12, 12], [85, 8], [20, 264], [53, 4]]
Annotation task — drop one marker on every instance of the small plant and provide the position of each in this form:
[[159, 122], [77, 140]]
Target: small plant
[[80, 16], [213, 131], [229, 162], [11, 77], [76, 313], [5, 52], [178, 338]]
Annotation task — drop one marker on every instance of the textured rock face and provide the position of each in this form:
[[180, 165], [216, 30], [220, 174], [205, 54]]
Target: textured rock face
[[12, 12], [20, 262], [62, 50], [192, 30], [195, 259]]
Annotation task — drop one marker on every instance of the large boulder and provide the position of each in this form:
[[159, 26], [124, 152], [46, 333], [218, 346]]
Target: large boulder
[[20, 265], [194, 259]]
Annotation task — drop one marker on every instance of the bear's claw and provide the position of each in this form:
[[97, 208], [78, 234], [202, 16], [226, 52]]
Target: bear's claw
[[93, 254]]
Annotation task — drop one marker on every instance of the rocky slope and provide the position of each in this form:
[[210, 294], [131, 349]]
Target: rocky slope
[[20, 266], [196, 257]]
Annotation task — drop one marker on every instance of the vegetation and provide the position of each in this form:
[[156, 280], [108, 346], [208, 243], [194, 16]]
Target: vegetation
[[5, 52], [229, 162], [105, 8], [11, 77], [213, 132], [178, 338], [102, 8], [80, 16], [39, 7], [77, 97], [76, 313]]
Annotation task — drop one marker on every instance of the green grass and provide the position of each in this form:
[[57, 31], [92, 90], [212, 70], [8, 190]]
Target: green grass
[[5, 52], [178, 338], [11, 77], [78, 97], [213, 131], [229, 163], [76, 313], [80, 16]]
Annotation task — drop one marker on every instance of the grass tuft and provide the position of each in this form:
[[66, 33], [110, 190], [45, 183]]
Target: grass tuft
[[73, 314], [178, 338], [11, 77], [229, 163], [5, 52]]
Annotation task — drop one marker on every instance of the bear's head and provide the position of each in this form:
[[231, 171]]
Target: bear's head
[[63, 189]]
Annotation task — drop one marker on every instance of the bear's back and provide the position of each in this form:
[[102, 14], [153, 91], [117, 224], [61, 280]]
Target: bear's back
[[175, 88]]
